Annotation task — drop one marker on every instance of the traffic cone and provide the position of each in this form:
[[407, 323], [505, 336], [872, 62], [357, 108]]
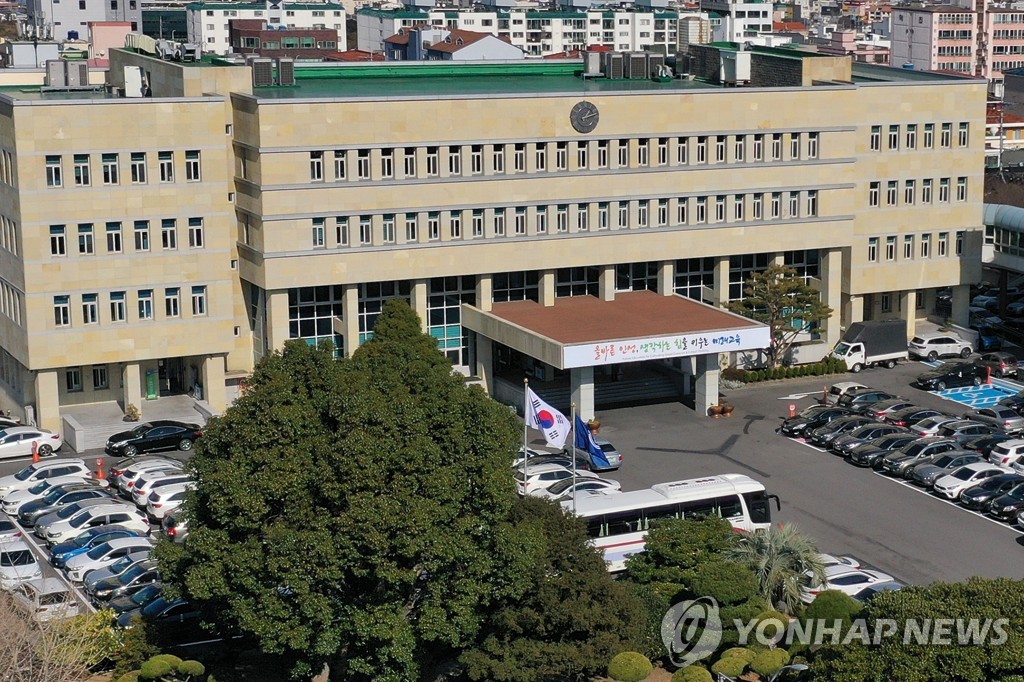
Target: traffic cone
[[100, 476], [35, 451]]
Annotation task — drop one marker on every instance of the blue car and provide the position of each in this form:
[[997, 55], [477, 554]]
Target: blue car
[[60, 554]]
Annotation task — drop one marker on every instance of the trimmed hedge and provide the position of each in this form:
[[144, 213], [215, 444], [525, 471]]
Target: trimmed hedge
[[630, 666], [769, 662], [740, 652], [730, 666], [693, 673], [829, 365]]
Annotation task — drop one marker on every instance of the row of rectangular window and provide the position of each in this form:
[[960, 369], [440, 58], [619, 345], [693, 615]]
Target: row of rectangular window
[[7, 176], [118, 306], [11, 371], [910, 193], [110, 168], [114, 236], [10, 302], [403, 162], [906, 136], [503, 222], [8, 235], [923, 248], [73, 379]]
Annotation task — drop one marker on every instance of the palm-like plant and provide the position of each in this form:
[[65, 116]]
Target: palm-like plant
[[779, 557]]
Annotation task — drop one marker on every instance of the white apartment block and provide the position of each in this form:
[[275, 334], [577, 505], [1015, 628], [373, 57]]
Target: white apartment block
[[68, 20], [739, 20], [208, 21], [535, 32]]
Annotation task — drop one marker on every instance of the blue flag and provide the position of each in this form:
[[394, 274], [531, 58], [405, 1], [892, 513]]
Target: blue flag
[[584, 440]]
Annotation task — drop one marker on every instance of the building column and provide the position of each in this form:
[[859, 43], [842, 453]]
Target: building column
[[582, 386], [908, 310], [131, 380], [485, 361], [350, 317], [214, 390], [277, 319], [722, 280], [855, 309], [667, 277], [706, 381], [547, 287], [485, 292], [832, 293], [961, 301], [606, 283], [929, 301], [419, 302], [48, 400]]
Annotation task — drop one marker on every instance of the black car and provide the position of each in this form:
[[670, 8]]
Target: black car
[[951, 375], [136, 601], [862, 397], [127, 583], [979, 496], [842, 445], [1015, 401], [812, 418], [884, 408], [58, 497], [824, 435], [867, 454], [1006, 506], [909, 416], [898, 462], [984, 444], [153, 436]]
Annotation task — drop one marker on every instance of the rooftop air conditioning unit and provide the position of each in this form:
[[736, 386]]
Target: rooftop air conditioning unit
[[262, 73], [76, 74], [614, 68], [55, 74], [285, 71]]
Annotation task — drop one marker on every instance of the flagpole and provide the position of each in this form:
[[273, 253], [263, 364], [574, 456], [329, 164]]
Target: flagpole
[[526, 427], [574, 458]]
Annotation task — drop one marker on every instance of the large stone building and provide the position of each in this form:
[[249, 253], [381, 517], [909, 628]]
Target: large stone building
[[536, 221]]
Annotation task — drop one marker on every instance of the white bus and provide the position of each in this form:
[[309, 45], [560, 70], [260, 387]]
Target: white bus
[[618, 522]]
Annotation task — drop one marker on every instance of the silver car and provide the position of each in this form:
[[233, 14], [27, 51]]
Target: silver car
[[999, 417]]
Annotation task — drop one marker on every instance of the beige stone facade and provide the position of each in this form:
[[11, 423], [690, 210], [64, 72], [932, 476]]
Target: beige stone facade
[[319, 202]]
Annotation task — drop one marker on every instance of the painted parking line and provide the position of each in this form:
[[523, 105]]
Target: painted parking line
[[922, 491]]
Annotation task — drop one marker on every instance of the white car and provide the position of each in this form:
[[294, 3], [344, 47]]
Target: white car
[[13, 501], [45, 599], [566, 489], [929, 426], [151, 481], [103, 555], [845, 579], [117, 513], [837, 391], [66, 512], [544, 476], [9, 531], [17, 564], [163, 501], [39, 471], [935, 346], [951, 485], [1007, 453], [126, 481], [20, 441], [829, 560]]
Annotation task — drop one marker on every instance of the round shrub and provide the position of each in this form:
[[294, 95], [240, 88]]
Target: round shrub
[[154, 669], [191, 668], [133, 676], [629, 666], [775, 628], [768, 662], [170, 659], [693, 673], [833, 605], [727, 581], [740, 652], [733, 666]]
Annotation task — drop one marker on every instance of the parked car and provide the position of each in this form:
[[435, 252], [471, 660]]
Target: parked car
[[39, 471], [828, 560], [163, 613], [951, 375], [934, 346], [103, 555], [115, 569], [1007, 453], [175, 526], [21, 441], [952, 484], [17, 564], [559, 459], [1014, 402], [909, 416], [1007, 506], [978, 497], [863, 397], [895, 463], [126, 481], [565, 489], [127, 583], [611, 454], [866, 594], [8, 531], [136, 601], [998, 417], [838, 390], [544, 476], [150, 481], [930, 469], [884, 408], [83, 542], [845, 579], [62, 514], [60, 497], [867, 454], [165, 500], [824, 435], [842, 445], [45, 599], [152, 437], [13, 501], [807, 421], [965, 430], [983, 445], [930, 426], [998, 364], [92, 517], [988, 338]]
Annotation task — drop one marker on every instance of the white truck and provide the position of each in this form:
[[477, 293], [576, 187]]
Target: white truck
[[877, 342]]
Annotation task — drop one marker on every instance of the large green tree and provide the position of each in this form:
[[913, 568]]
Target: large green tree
[[355, 512], [779, 298]]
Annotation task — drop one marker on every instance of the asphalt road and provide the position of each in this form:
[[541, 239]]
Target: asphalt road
[[900, 530]]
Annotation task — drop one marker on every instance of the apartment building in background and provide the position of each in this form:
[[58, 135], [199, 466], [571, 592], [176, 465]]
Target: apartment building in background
[[209, 23], [69, 20]]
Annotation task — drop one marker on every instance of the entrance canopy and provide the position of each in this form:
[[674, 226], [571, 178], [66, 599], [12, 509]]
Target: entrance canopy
[[584, 331]]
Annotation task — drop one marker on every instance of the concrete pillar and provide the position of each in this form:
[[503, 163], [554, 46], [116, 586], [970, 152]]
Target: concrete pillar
[[419, 301], [606, 283], [778, 259], [961, 301], [706, 380], [213, 383], [582, 385], [722, 280], [547, 287], [48, 400], [929, 301], [277, 318], [855, 311], [350, 317], [131, 380], [484, 292], [667, 278], [908, 310], [832, 292], [485, 361]]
